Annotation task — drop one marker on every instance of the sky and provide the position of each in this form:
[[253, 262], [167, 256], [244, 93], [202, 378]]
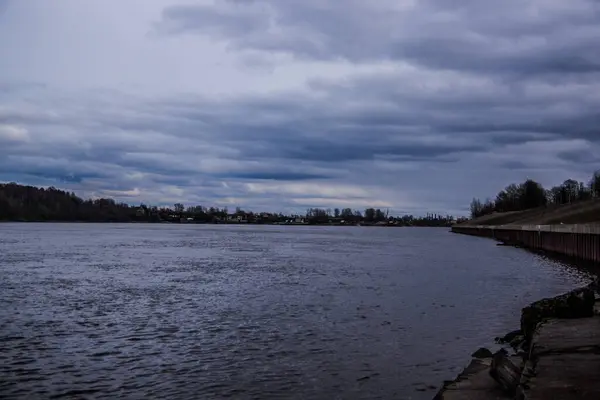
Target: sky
[[413, 105]]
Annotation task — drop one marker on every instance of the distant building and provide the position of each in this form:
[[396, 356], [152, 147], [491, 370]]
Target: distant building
[[237, 219]]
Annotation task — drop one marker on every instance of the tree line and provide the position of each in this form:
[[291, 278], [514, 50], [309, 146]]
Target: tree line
[[373, 216], [531, 194], [28, 203]]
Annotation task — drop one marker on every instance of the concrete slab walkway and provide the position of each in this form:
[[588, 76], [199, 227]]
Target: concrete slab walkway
[[562, 362]]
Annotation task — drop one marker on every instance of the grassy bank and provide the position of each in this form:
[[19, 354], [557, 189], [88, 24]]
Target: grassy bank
[[583, 212]]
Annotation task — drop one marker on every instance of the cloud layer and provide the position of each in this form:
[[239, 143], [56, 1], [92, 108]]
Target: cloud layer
[[415, 106]]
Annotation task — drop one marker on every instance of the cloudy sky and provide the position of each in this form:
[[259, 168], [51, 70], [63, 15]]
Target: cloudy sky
[[415, 105]]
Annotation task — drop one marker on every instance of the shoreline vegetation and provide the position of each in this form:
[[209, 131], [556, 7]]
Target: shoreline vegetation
[[19, 203], [532, 195], [585, 212]]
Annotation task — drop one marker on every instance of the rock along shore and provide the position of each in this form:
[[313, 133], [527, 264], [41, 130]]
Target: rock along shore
[[554, 355]]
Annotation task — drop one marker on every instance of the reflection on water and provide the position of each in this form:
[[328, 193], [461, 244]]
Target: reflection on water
[[168, 311]]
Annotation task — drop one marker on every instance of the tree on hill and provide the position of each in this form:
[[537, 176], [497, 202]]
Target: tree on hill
[[531, 194], [595, 184]]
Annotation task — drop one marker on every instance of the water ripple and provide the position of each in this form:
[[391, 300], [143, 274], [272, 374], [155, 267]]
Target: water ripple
[[179, 312]]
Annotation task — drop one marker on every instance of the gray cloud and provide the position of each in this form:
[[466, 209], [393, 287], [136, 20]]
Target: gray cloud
[[235, 21], [416, 106], [153, 144], [3, 6], [274, 175], [514, 37]]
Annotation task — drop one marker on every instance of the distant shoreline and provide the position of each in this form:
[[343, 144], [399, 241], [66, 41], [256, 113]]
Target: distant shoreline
[[219, 223], [20, 203]]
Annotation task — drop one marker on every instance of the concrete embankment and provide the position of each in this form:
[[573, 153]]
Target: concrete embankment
[[556, 352], [555, 355], [577, 241]]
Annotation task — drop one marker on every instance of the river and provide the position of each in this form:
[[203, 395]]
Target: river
[[267, 312]]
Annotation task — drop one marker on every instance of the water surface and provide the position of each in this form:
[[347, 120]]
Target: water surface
[[195, 311]]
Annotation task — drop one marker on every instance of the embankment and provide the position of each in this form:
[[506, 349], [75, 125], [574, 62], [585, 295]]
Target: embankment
[[580, 212], [576, 241], [554, 355]]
